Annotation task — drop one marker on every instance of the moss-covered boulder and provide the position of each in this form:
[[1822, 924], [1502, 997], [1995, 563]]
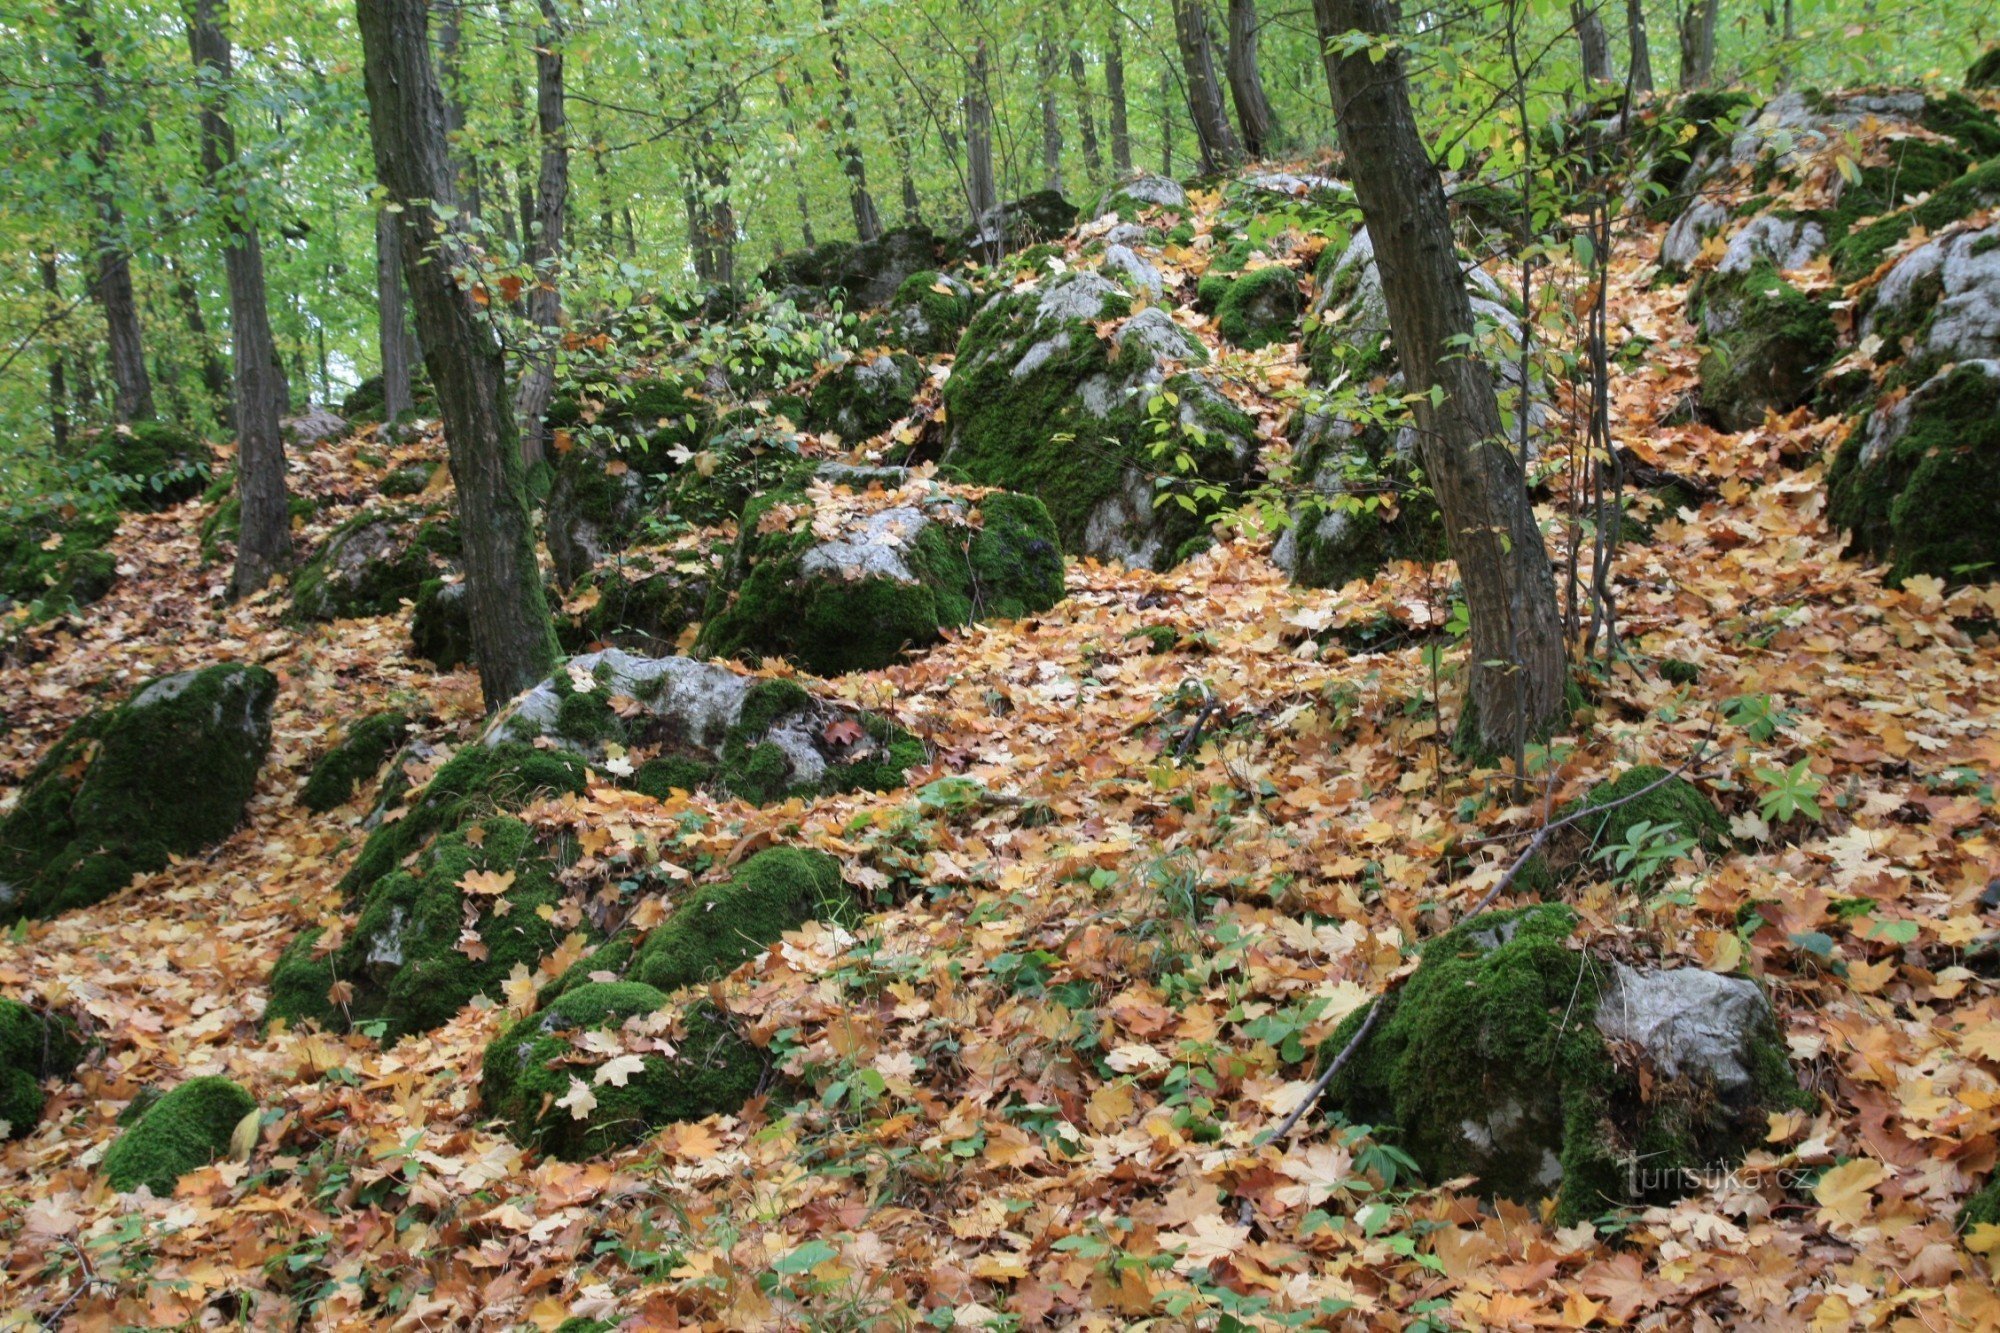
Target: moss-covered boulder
[[1985, 71], [715, 930], [845, 574], [374, 562], [1643, 794], [1917, 482], [1939, 303], [684, 723], [1140, 197], [1767, 343], [167, 773], [542, 1079], [353, 761], [1515, 1056], [863, 395], [1259, 307], [34, 1047], [441, 624], [480, 901], [1366, 504], [157, 465], [929, 312], [862, 274], [181, 1132], [55, 559], [368, 402], [614, 449], [1038, 402], [644, 599], [1021, 223]]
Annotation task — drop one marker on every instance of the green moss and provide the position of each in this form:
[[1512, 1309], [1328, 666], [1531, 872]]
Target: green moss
[[168, 773], [181, 1132], [531, 1066], [1957, 116], [33, 1047], [1857, 253], [645, 614], [1770, 356], [1982, 1209], [1675, 801], [441, 624], [479, 779], [1160, 639], [1985, 71], [159, 465], [373, 563], [860, 398], [56, 560], [1260, 308], [368, 402], [714, 931], [409, 479], [1928, 501], [929, 320], [1675, 671], [407, 963], [660, 778], [354, 761]]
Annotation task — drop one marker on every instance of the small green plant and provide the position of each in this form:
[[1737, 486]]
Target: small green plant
[[1789, 793], [1647, 848], [1758, 714]]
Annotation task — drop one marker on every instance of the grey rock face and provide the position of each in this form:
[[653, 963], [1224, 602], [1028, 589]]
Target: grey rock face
[[1688, 1023]]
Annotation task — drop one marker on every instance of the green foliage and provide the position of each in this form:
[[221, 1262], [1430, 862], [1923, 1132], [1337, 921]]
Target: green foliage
[[1662, 818], [354, 760], [54, 563], [158, 464], [33, 1046], [713, 931], [1789, 793], [186, 1129]]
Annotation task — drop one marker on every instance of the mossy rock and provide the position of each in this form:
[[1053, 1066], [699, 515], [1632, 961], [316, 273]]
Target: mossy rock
[[354, 761], [410, 961], [929, 312], [864, 396], [1985, 71], [374, 562], [1674, 802], [33, 1047], [890, 580], [167, 773], [1860, 251], [157, 465], [1133, 198], [1496, 1060], [721, 927], [643, 599], [753, 449], [537, 1062], [407, 480], [367, 401], [1368, 505], [1032, 219], [224, 523], [1038, 403], [1918, 482], [1767, 343], [702, 724], [613, 450], [57, 560], [181, 1132], [1260, 307], [441, 624]]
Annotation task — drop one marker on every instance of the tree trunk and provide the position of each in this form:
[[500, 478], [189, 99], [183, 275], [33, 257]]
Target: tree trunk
[[58, 377], [1698, 43], [545, 248], [391, 321], [1246, 82], [906, 167], [1079, 78], [132, 386], [1219, 148], [1166, 120], [1045, 92], [264, 545], [867, 222], [1642, 46], [792, 133], [1595, 42], [214, 374], [1114, 88], [982, 193], [513, 638], [1516, 687], [451, 57]]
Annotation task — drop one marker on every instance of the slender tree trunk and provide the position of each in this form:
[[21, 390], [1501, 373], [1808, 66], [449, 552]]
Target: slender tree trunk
[[1219, 147], [58, 377], [132, 386], [264, 545], [1698, 43], [1045, 92], [451, 61], [1167, 119], [391, 321], [1079, 78], [982, 194], [1594, 41], [1517, 677], [1114, 89], [792, 133], [513, 638], [1641, 44], [913, 204], [867, 222], [214, 374], [545, 249], [718, 213], [1246, 81]]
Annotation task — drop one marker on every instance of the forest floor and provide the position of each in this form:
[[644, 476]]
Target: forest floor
[[967, 1161]]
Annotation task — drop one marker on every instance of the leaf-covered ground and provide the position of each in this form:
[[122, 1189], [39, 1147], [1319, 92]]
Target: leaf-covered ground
[[1035, 1093]]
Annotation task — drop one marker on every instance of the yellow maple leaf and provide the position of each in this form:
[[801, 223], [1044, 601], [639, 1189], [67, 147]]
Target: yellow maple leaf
[[487, 883], [1983, 1238], [1843, 1192]]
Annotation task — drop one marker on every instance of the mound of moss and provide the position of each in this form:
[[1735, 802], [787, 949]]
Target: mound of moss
[[354, 760], [714, 931], [614, 447], [642, 599], [1918, 482], [167, 773], [374, 562], [368, 402], [929, 312], [1132, 198], [1767, 343], [441, 624], [1857, 253], [57, 559], [1668, 801], [1095, 428], [864, 396], [480, 901], [538, 1063], [1983, 1208], [1260, 307], [157, 465], [1496, 1060], [33, 1047], [931, 558], [865, 273], [1985, 71], [181, 1132]]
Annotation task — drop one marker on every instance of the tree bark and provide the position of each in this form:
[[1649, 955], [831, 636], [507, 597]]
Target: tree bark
[[1594, 41], [132, 386], [867, 222], [545, 239], [264, 545], [1219, 147], [1114, 88], [392, 335], [982, 192], [1517, 680], [1641, 44], [1246, 81], [1698, 43], [1045, 92], [58, 376], [451, 60], [1079, 78], [1166, 120], [513, 638]]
